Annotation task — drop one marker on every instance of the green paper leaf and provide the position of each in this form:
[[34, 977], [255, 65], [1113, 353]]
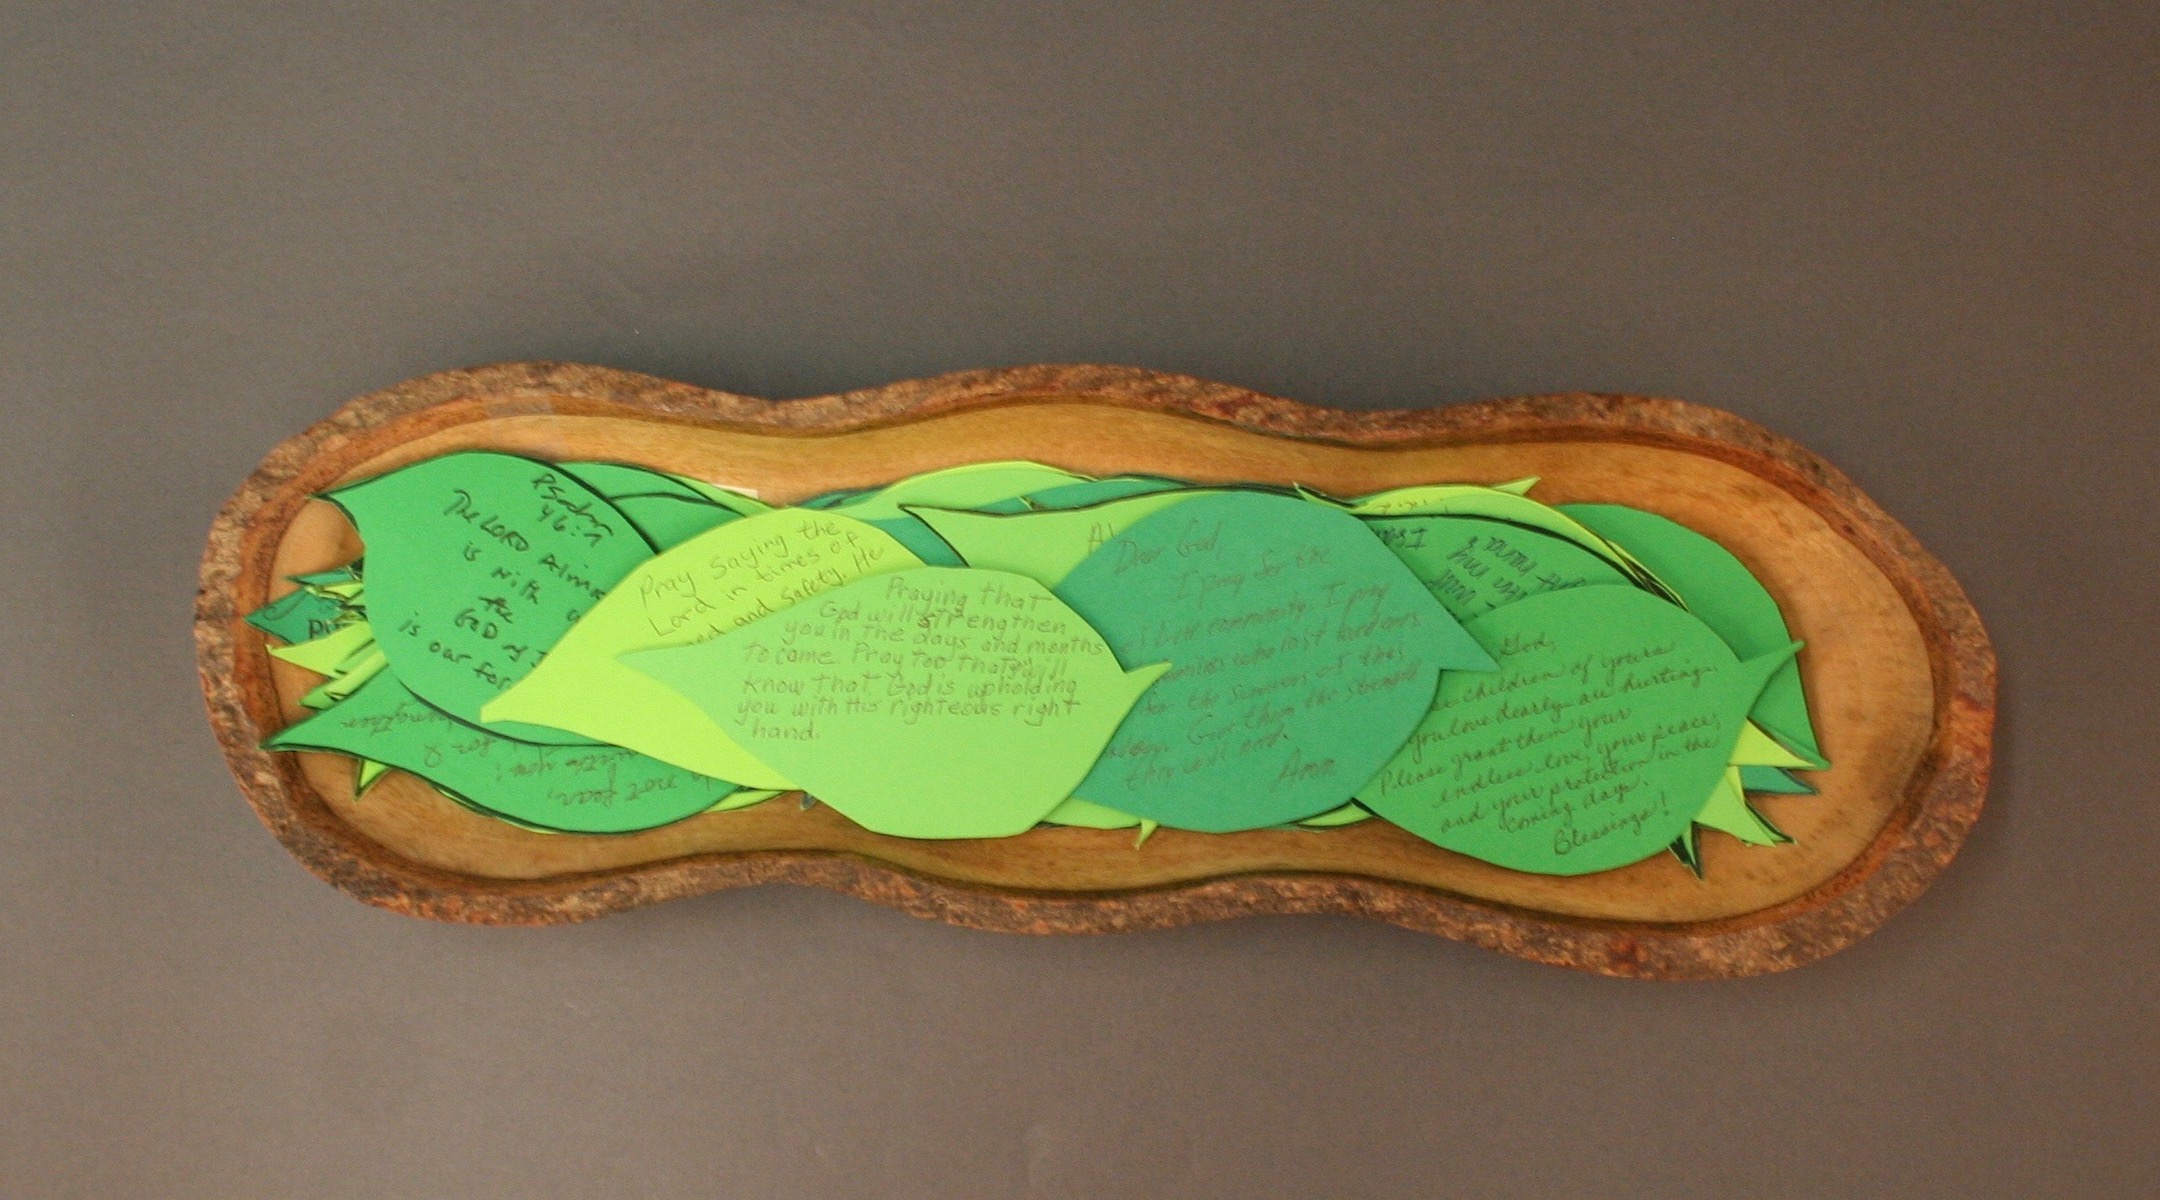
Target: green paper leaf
[[940, 702], [982, 487], [1758, 749], [1717, 587], [349, 573], [1348, 814], [1473, 565], [1729, 811], [827, 500], [746, 798], [1687, 849], [614, 481], [476, 563], [1304, 653], [299, 616], [1611, 717], [968, 486], [669, 521], [1090, 492], [1044, 546], [925, 545], [1773, 780], [324, 654], [1496, 504], [569, 789], [709, 585]]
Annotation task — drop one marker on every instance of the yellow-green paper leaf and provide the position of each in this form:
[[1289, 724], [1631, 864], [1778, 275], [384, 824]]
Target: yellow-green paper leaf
[[942, 702], [709, 585]]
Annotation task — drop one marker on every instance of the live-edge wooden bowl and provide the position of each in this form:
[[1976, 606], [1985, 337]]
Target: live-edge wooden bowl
[[1898, 669]]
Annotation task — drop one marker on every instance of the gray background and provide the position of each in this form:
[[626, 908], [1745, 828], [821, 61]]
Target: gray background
[[1922, 244]]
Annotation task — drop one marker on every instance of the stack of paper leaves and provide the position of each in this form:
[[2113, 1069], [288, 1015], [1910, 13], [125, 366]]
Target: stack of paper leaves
[[974, 652]]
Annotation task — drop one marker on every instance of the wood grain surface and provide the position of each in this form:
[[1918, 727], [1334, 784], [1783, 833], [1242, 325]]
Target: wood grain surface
[[1898, 669]]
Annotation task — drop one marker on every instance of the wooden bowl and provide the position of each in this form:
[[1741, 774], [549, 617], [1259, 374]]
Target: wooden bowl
[[1897, 666]]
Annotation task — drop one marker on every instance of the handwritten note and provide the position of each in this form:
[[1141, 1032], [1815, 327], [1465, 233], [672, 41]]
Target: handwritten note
[[941, 702], [1716, 586], [1474, 565], [568, 789], [1303, 654], [713, 583], [476, 563], [301, 616], [1493, 503], [1609, 721]]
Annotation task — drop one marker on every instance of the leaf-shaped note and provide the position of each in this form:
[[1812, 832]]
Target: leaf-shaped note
[[1717, 587], [941, 702], [476, 563], [1474, 565], [1303, 654], [711, 584], [301, 616], [1610, 719], [570, 789], [1497, 504], [980, 487], [1044, 546]]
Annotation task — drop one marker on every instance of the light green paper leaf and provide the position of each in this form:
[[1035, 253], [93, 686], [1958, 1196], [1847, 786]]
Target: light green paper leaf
[[323, 654], [1758, 749], [476, 563], [1304, 653], [967, 486], [569, 789], [1091, 492], [709, 585], [746, 798], [1717, 587], [1044, 546], [366, 774], [1611, 717], [1473, 565], [1729, 811], [941, 702]]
